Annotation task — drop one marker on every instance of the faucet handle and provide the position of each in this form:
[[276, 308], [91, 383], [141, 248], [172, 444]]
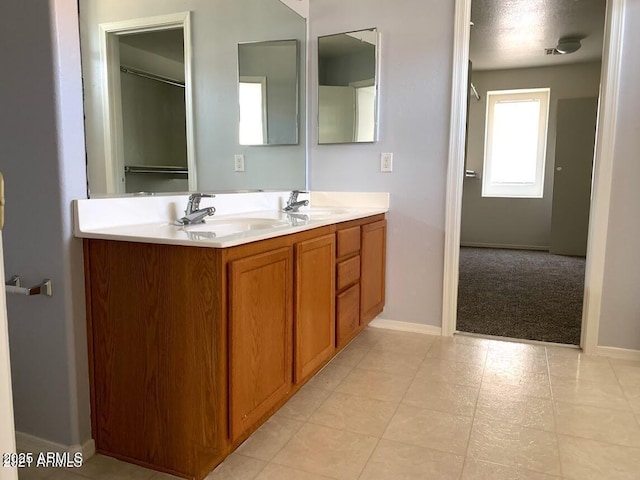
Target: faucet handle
[[194, 201], [294, 195], [201, 195]]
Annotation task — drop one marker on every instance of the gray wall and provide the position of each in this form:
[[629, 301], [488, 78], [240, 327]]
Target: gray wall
[[153, 121], [415, 96], [620, 321], [522, 222], [42, 158], [217, 28]]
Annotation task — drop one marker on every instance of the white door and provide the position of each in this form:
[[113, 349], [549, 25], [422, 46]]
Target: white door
[[575, 140], [7, 432]]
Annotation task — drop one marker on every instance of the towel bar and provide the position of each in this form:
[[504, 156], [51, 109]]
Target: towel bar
[[14, 286]]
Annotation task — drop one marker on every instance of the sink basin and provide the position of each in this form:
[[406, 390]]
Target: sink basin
[[231, 226]]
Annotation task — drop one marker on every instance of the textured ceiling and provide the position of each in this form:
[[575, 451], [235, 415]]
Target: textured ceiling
[[515, 33]]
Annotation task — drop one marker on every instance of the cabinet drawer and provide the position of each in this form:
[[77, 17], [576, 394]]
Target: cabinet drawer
[[347, 314], [347, 272], [348, 241]]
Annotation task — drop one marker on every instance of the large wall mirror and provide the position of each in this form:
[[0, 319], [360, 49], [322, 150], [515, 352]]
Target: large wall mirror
[[348, 87], [162, 95], [268, 92]]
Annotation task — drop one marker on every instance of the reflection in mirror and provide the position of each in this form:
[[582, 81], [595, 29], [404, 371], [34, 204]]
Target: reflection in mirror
[[347, 90], [152, 102], [268, 92], [212, 33]]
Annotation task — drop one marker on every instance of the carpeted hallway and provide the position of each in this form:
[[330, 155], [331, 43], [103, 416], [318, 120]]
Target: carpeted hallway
[[521, 294]]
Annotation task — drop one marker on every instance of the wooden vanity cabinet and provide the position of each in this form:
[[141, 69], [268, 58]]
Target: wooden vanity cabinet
[[191, 349]]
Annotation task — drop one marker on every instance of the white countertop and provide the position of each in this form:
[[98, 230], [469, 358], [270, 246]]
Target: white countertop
[[240, 218]]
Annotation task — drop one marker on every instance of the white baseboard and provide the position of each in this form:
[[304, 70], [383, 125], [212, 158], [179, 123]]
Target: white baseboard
[[621, 353], [30, 443], [405, 326], [505, 245]]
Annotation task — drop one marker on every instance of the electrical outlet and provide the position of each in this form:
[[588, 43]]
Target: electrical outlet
[[238, 161], [386, 162]]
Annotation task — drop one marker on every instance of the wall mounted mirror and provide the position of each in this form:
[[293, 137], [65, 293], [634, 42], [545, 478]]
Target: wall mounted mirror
[[207, 134], [348, 87], [268, 92]]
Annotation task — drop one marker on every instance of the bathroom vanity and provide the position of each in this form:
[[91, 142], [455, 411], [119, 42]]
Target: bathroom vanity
[[195, 339]]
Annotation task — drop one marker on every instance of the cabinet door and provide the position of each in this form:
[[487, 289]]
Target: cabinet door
[[260, 335], [372, 274], [315, 326]]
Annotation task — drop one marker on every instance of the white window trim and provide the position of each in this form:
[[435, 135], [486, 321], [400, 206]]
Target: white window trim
[[516, 190]]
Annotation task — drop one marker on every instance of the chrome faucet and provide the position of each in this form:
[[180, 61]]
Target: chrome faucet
[[193, 214], [293, 204]]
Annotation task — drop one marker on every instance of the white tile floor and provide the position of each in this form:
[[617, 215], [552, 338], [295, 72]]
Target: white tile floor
[[398, 405]]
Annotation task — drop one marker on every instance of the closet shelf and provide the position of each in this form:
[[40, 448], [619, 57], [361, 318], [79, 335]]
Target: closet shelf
[[170, 170]]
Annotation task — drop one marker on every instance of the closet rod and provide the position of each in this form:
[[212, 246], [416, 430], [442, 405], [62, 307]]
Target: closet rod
[[155, 169], [151, 76]]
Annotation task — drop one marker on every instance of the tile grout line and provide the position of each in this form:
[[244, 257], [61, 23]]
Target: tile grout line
[[287, 442], [390, 419], [308, 422], [619, 383], [302, 424], [624, 393], [473, 418], [555, 414]]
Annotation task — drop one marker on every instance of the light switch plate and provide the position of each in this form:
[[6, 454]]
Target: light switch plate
[[386, 162], [238, 163]]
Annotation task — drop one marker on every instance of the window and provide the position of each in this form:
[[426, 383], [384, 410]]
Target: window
[[515, 143], [253, 110]]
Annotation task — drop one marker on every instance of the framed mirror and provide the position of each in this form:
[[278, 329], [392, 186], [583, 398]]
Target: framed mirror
[[348, 87], [268, 92]]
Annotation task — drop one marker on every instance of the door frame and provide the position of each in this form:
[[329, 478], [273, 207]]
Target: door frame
[[7, 428], [112, 96], [602, 174]]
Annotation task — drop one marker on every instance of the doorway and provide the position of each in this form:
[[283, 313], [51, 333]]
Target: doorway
[[7, 429], [602, 170], [526, 195], [149, 133], [530, 148]]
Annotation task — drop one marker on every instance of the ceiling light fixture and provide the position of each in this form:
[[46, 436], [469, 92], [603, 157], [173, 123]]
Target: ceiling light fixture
[[568, 45]]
